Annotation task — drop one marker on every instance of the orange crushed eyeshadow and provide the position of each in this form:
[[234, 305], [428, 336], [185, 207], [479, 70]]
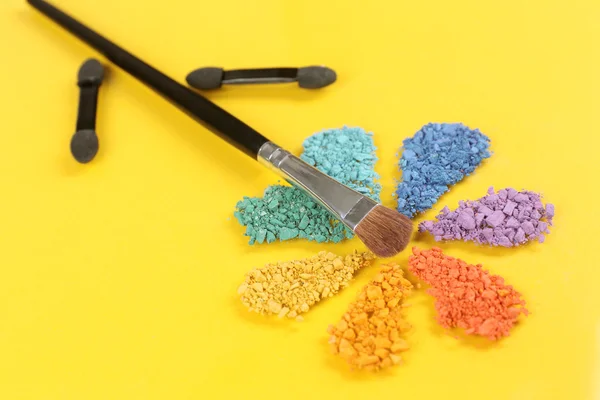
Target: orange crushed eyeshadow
[[369, 334], [466, 296]]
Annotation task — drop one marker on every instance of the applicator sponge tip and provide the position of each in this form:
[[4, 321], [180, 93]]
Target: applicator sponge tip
[[84, 145], [91, 72], [206, 78], [315, 77]]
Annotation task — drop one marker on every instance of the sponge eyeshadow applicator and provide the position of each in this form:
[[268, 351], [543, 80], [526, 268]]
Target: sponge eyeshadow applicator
[[312, 77], [84, 143]]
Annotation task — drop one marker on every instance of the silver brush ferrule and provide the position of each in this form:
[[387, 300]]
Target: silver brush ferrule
[[347, 205]]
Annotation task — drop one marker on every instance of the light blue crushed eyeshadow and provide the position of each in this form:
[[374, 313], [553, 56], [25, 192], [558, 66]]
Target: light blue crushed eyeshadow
[[436, 157], [347, 155], [285, 212]]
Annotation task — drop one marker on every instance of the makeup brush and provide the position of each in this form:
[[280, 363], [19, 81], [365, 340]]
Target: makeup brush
[[383, 230], [313, 77], [84, 143]]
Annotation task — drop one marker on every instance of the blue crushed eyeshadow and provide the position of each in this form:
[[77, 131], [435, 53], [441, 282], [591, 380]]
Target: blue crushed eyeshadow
[[435, 158]]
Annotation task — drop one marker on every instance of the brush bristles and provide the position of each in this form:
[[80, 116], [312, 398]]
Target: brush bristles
[[384, 231]]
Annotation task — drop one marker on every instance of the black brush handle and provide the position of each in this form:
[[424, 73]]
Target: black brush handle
[[214, 118]]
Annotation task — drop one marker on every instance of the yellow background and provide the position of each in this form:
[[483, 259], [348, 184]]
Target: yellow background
[[118, 278]]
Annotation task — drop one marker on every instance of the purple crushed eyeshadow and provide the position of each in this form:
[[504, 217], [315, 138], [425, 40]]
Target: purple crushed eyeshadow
[[507, 218]]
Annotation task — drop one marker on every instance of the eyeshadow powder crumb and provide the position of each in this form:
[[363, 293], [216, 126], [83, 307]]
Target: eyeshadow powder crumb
[[288, 289], [466, 296], [369, 335], [505, 218], [436, 157], [286, 212]]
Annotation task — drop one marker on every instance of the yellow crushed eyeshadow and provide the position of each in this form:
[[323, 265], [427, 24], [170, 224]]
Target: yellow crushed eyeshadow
[[291, 288]]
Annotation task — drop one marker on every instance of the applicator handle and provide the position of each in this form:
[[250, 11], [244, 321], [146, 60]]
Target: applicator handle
[[211, 116], [260, 75], [89, 80]]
